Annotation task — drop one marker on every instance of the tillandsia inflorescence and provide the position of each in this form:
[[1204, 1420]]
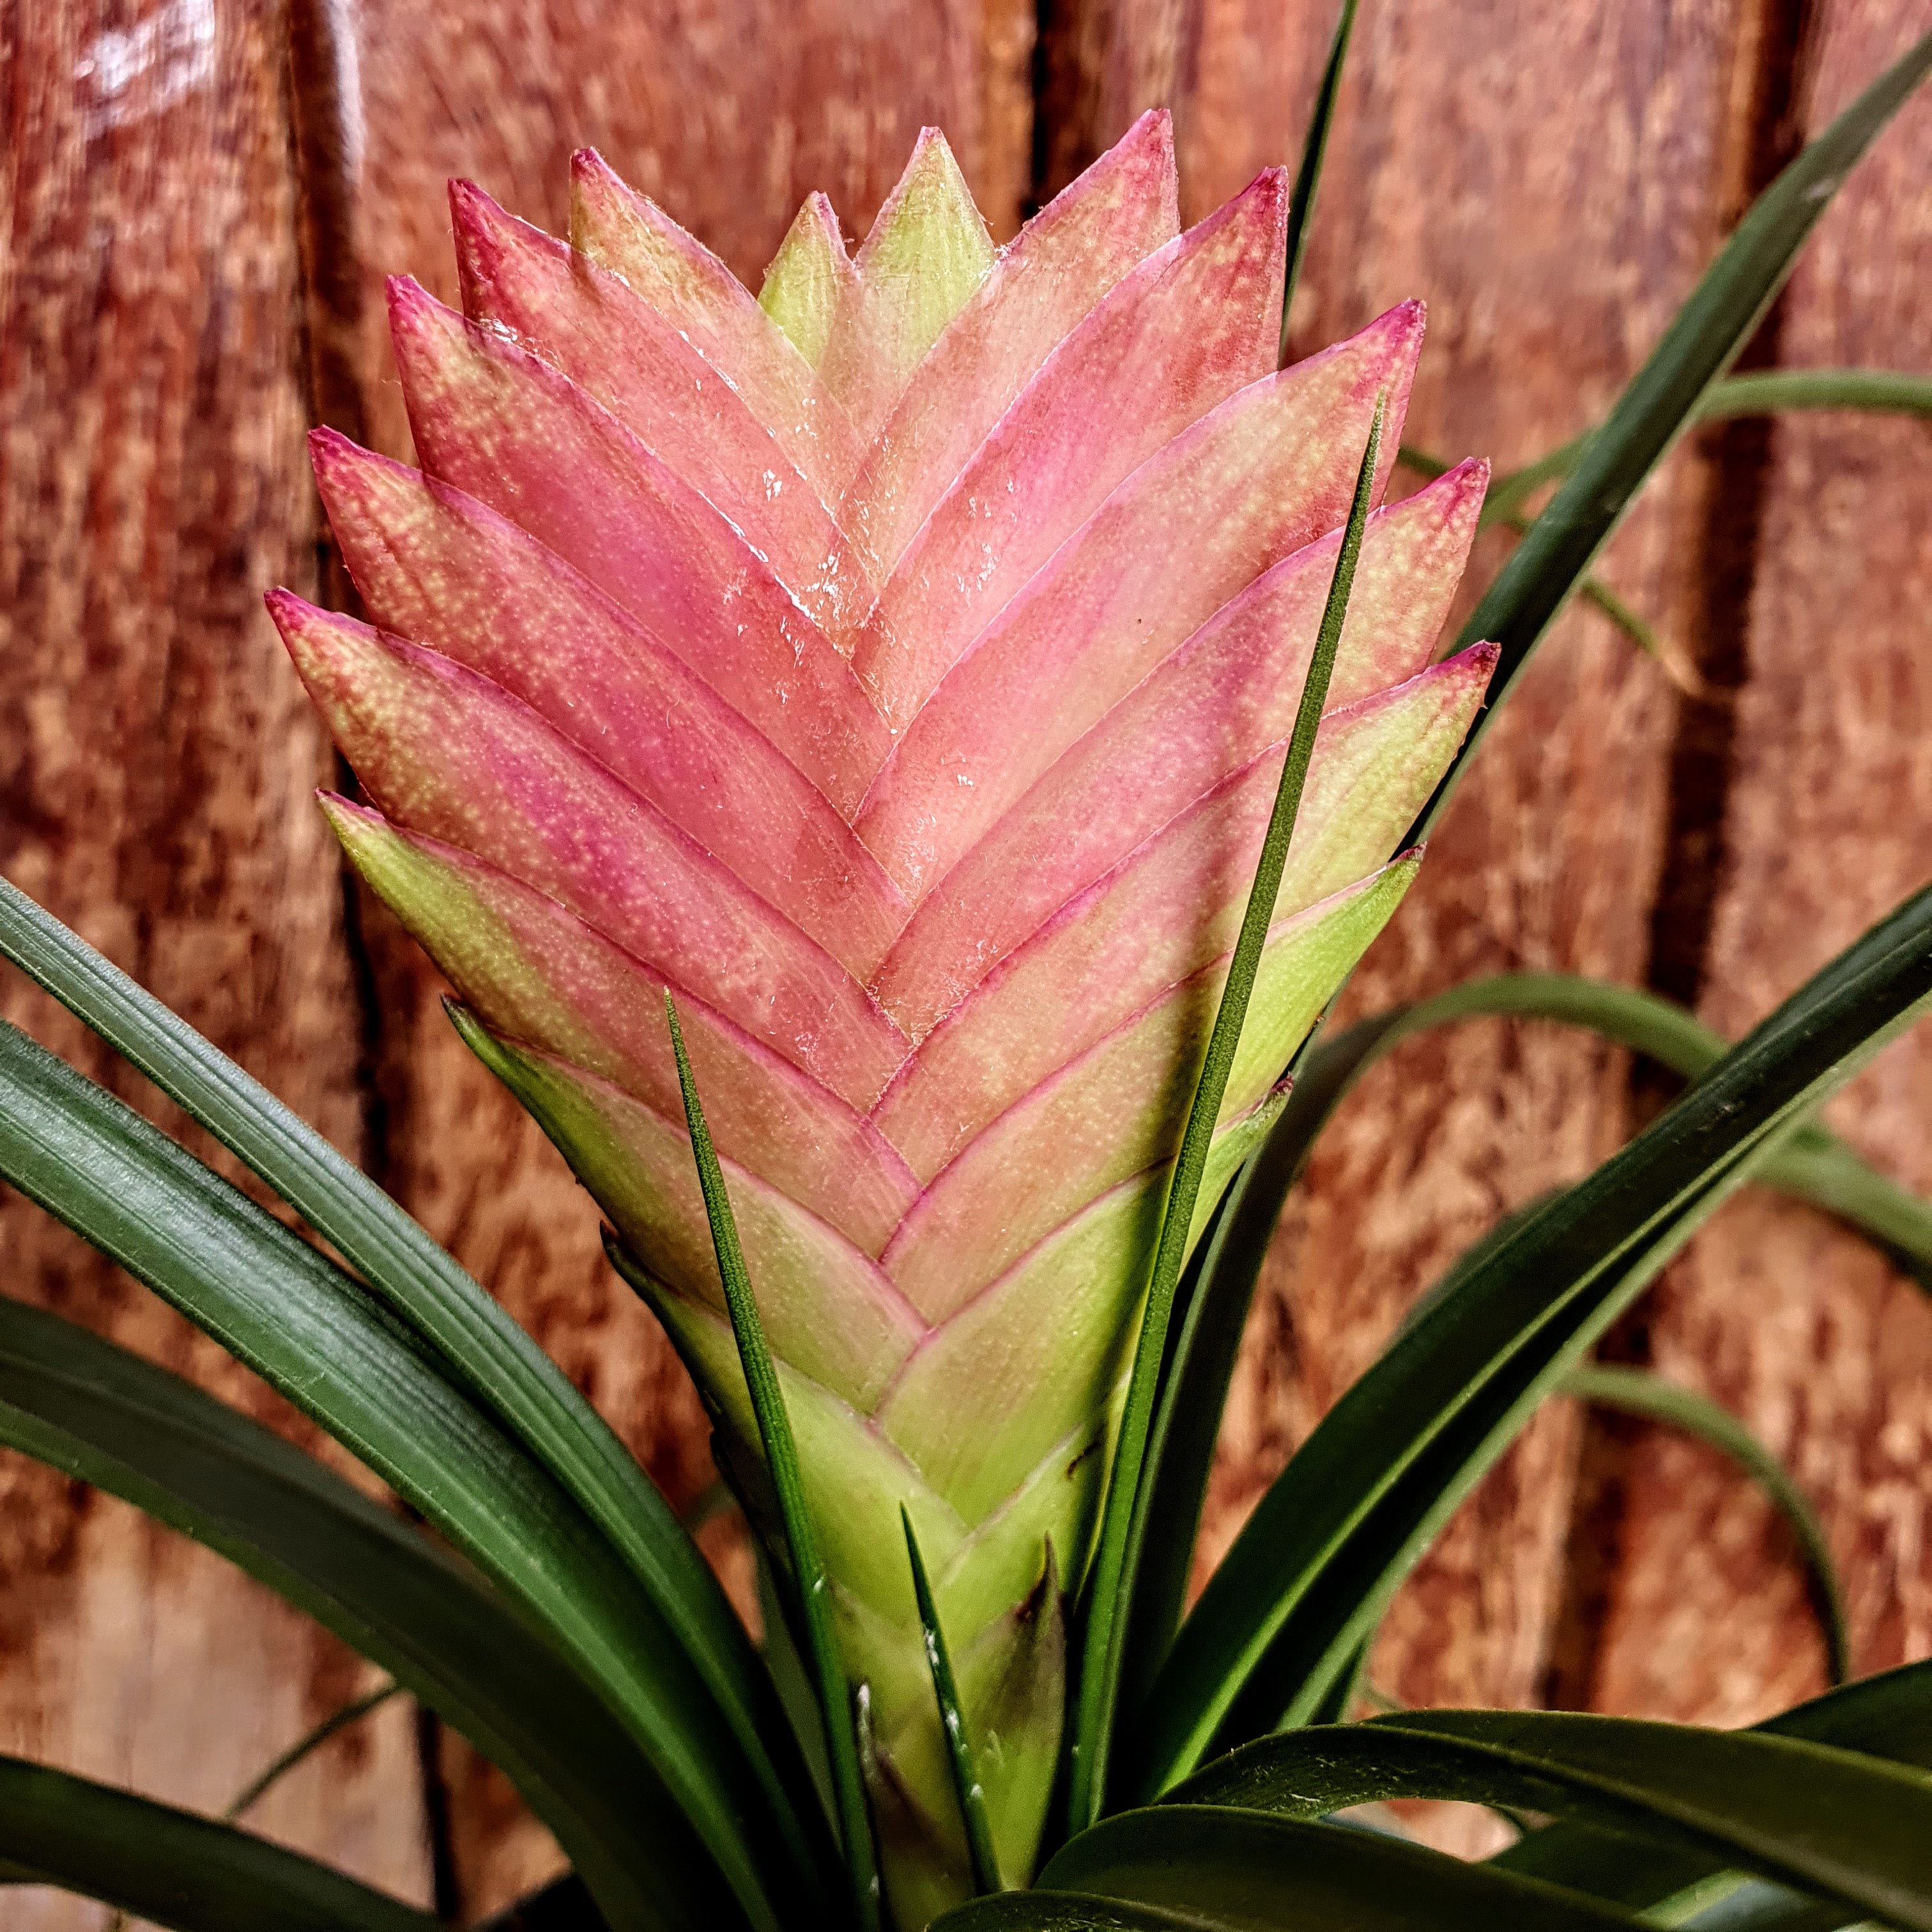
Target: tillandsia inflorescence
[[897, 667], [906, 707]]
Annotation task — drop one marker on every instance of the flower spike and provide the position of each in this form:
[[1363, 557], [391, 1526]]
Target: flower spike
[[900, 667]]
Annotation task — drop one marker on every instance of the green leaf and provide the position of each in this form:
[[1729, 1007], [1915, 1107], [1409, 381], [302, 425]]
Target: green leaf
[[1498, 508], [1772, 392], [1644, 634], [1237, 1868], [1636, 1392], [344, 1717], [312, 1334], [810, 1584], [1736, 1904], [1827, 1820], [173, 1867], [1888, 1717], [1314, 149], [1813, 1165], [1762, 392], [499, 1366], [966, 1785], [97, 1413], [1661, 401], [1102, 1649], [1067, 1912], [1328, 1543]]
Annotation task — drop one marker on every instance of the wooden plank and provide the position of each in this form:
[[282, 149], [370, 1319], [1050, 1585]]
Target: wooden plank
[[1797, 1328], [729, 115], [1550, 180], [158, 755]]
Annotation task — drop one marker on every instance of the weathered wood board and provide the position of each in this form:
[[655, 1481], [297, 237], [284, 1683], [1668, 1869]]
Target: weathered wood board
[[1791, 1323], [203, 197], [157, 764]]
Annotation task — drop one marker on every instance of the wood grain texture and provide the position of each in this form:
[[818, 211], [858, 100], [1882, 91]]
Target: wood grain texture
[[1551, 229], [157, 756], [1799, 1328], [729, 115], [204, 196]]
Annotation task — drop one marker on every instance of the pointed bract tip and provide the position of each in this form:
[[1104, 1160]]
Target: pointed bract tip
[[329, 448], [355, 826], [1460, 488], [316, 638], [591, 175], [816, 223], [409, 303], [816, 210], [1270, 186], [480, 216], [931, 178], [305, 630], [290, 613], [1149, 141], [1265, 198], [930, 150], [350, 479], [419, 325]]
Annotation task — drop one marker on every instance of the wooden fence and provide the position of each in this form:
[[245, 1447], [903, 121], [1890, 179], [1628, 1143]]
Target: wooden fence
[[203, 195]]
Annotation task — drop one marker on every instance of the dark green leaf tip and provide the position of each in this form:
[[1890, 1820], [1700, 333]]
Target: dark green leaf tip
[[806, 1561], [959, 1755], [1103, 1649], [1308, 176]]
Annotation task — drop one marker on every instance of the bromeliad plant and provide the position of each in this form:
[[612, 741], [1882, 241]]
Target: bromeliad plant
[[895, 769], [938, 815]]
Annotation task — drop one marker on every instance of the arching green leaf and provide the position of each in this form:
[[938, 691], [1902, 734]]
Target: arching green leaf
[[1827, 1820], [1636, 1392], [173, 1867], [87, 1408], [498, 1366], [1327, 1545], [309, 1331], [1661, 400]]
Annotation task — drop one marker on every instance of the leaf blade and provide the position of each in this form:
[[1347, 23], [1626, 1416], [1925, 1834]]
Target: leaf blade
[[500, 1367], [1314, 150], [1636, 1392], [1813, 1165], [1470, 1368], [1888, 1717], [1103, 1645], [97, 1413], [283, 1310], [170, 1866], [1829, 1821], [1244, 1869], [811, 1582], [966, 1785], [1758, 392]]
